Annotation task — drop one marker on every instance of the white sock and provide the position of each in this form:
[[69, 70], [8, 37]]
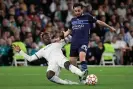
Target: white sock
[[75, 70], [56, 79]]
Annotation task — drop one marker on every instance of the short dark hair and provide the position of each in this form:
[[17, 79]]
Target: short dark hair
[[77, 5]]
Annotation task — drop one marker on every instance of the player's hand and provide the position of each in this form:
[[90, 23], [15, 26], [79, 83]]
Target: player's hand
[[16, 48], [113, 29], [64, 32]]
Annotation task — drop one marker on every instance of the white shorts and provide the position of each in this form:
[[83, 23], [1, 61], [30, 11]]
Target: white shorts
[[56, 64]]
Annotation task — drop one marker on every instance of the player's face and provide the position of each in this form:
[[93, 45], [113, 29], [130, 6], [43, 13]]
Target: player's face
[[58, 36], [46, 39], [78, 11]]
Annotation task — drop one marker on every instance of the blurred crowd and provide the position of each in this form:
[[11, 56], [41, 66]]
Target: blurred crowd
[[24, 20]]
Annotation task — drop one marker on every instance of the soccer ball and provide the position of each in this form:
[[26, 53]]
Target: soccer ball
[[91, 79]]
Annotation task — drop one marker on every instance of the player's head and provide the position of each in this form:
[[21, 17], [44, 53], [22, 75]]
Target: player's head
[[78, 9], [46, 38], [57, 35], [60, 34]]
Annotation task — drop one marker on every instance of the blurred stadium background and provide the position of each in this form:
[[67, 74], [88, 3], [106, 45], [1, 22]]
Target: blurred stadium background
[[22, 21]]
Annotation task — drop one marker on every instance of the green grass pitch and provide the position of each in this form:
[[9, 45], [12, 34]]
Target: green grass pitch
[[35, 78]]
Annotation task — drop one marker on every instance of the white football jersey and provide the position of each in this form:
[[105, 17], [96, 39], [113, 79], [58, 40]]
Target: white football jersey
[[50, 52]]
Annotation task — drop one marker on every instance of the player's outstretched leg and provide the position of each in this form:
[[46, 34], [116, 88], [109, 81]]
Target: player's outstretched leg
[[72, 68], [52, 77], [75, 70]]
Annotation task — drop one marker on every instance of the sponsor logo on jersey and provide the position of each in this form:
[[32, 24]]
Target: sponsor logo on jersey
[[78, 24]]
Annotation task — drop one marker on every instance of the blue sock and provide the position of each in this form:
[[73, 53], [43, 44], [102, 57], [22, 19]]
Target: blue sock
[[83, 65]]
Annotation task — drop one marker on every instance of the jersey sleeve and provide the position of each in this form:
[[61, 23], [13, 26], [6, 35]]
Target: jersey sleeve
[[91, 18], [35, 56]]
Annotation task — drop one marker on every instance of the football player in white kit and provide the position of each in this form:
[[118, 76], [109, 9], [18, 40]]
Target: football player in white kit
[[56, 60]]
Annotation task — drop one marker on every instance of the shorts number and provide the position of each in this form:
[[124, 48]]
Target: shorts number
[[84, 47]]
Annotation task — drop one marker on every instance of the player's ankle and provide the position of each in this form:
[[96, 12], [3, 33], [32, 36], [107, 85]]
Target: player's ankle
[[83, 65]]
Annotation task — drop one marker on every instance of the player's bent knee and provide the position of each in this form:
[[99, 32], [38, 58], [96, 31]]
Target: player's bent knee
[[50, 74], [67, 64]]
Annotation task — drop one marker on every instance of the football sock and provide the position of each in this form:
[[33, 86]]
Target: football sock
[[56, 79], [83, 65], [75, 70]]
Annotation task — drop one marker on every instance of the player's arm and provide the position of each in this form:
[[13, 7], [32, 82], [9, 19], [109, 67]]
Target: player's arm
[[26, 56], [104, 24], [63, 39], [66, 33], [94, 20], [66, 40]]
